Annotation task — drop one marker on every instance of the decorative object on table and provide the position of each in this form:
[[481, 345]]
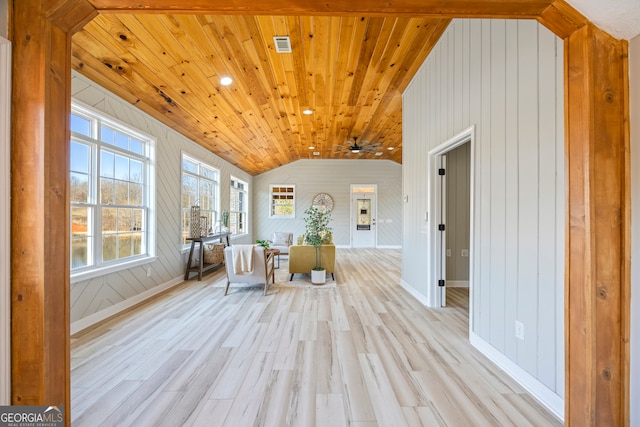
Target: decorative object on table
[[204, 226], [225, 220], [263, 243], [194, 222], [323, 201], [317, 233]]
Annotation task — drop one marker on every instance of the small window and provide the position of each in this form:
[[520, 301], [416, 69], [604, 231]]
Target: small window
[[282, 200], [238, 208]]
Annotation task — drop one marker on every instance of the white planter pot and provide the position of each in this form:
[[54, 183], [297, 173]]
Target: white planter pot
[[318, 277]]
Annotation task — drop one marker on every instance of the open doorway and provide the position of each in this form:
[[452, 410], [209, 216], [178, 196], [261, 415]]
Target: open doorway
[[363, 216], [457, 220], [451, 229]]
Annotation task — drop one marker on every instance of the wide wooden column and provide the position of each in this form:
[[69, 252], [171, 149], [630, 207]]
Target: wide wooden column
[[40, 209], [597, 263]]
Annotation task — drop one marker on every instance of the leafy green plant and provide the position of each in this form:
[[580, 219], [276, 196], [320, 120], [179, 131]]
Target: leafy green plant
[[225, 218], [317, 230], [263, 243]]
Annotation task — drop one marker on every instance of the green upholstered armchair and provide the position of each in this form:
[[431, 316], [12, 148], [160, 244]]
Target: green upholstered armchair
[[302, 258]]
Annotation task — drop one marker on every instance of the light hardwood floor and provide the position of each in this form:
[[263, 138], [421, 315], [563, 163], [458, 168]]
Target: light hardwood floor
[[363, 353]]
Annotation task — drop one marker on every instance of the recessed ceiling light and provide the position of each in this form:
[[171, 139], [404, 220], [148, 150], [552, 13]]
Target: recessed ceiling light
[[307, 112], [316, 153], [389, 148], [379, 153], [226, 81], [311, 147]]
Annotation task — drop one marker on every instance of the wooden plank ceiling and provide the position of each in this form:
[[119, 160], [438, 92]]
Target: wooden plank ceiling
[[350, 71]]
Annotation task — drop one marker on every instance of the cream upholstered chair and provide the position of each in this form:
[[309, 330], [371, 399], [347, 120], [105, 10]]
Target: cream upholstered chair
[[263, 268], [281, 240]]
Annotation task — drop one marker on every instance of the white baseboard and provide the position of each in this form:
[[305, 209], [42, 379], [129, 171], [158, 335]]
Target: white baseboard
[[414, 292], [547, 397], [389, 247], [101, 315], [457, 283]]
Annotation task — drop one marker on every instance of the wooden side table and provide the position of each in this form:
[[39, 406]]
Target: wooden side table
[[201, 266], [274, 252]]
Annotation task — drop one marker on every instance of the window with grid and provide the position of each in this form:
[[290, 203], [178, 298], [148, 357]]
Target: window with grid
[[199, 188], [282, 201], [111, 182], [238, 209]]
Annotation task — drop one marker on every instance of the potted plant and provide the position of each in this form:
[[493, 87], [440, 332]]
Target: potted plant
[[317, 233]]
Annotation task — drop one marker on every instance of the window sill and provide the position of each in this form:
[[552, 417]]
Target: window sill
[[97, 272]]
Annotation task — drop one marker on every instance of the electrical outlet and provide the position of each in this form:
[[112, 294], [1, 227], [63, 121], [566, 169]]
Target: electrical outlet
[[519, 330], [448, 252], [465, 252], [149, 272]]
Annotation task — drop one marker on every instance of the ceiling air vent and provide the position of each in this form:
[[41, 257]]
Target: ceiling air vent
[[283, 44]]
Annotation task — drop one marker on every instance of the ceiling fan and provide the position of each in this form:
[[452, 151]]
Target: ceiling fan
[[355, 148]]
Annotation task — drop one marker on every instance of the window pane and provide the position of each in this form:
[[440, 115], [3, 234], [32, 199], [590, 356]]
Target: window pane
[[106, 135], [135, 170], [107, 164], [80, 221], [122, 168], [125, 245], [80, 157], [138, 247], [135, 194], [189, 166], [124, 219], [138, 214], [79, 188], [106, 191], [189, 190], [122, 140], [136, 146], [108, 247], [80, 252], [207, 173], [109, 220], [80, 125], [122, 193]]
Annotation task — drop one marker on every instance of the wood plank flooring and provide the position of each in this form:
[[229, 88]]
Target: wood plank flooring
[[363, 353]]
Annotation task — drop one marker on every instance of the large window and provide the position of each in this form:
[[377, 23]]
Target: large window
[[282, 201], [111, 192], [199, 188], [238, 210]]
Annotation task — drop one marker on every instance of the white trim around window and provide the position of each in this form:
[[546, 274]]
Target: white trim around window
[[282, 201], [200, 186], [112, 212], [239, 207]]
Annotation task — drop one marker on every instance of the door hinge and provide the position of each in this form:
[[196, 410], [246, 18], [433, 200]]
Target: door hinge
[[441, 171], [441, 227], [440, 282]]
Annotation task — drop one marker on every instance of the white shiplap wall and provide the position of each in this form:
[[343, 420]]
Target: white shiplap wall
[[506, 78], [634, 107], [334, 177], [101, 294]]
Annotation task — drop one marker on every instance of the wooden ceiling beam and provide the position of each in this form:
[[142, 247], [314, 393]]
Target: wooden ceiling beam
[[412, 8]]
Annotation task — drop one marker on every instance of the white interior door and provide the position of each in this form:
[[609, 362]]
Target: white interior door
[[363, 217], [442, 233]]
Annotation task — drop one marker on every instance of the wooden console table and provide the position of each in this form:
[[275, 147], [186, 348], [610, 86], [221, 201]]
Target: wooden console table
[[201, 267]]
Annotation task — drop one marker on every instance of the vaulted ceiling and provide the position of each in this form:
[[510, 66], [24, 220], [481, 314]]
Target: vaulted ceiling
[[348, 71]]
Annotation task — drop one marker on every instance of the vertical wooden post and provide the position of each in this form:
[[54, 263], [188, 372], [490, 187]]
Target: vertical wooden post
[[597, 245], [40, 210]]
